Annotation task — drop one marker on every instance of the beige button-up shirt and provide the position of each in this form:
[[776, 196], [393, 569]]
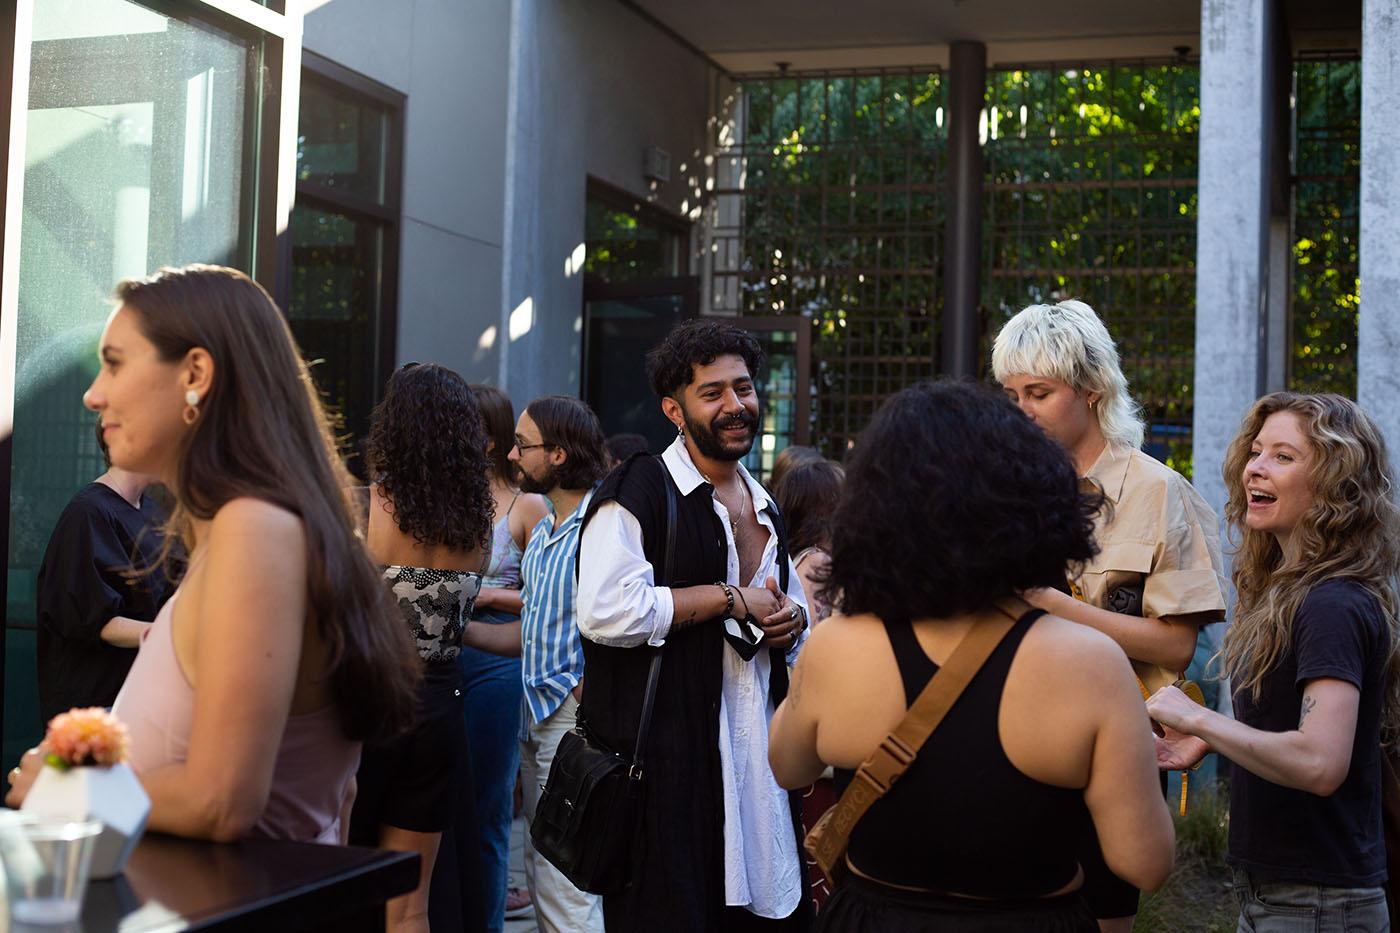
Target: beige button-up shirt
[[1154, 532]]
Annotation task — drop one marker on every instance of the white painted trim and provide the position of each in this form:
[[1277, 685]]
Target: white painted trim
[[14, 213], [255, 14]]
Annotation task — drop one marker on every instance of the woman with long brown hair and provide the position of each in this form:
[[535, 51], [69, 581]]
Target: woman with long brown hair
[[280, 651], [1312, 660]]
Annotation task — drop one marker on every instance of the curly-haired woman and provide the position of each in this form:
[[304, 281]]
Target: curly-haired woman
[[1158, 576], [1312, 660], [932, 534], [281, 650], [429, 526]]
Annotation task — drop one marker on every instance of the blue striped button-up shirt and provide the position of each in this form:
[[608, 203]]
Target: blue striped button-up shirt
[[551, 653]]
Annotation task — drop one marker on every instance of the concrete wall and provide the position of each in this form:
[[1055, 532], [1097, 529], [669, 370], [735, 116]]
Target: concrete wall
[[1378, 360], [592, 85], [1231, 230], [450, 58]]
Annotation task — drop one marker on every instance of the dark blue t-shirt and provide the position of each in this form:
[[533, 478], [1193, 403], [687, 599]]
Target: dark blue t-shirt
[[1280, 834]]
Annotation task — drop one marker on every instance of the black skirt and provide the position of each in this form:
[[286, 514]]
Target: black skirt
[[414, 781], [861, 906]]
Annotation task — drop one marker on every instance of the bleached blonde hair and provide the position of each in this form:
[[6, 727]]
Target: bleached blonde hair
[[1068, 342]]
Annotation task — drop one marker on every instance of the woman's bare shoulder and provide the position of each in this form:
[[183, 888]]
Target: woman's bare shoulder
[[257, 527], [840, 637], [531, 507], [1077, 652]]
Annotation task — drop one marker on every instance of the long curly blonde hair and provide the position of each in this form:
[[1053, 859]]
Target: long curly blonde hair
[[1351, 531]]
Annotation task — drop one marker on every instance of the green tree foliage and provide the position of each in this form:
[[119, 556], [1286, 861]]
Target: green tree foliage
[[1091, 194], [843, 216], [1326, 233]]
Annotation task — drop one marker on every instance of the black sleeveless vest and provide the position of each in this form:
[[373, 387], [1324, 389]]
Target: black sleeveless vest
[[678, 858]]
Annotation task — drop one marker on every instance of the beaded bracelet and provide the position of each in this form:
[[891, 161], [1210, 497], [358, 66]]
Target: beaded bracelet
[[728, 598]]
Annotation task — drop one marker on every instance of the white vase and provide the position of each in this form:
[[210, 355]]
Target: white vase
[[109, 794]]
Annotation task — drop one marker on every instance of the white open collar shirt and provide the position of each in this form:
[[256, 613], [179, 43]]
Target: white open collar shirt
[[619, 604]]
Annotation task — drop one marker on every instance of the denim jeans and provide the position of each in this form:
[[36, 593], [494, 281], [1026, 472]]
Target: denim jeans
[[491, 699], [1295, 907]]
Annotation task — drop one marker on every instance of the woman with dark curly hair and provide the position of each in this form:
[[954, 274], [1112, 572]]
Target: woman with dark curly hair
[[429, 526], [954, 503]]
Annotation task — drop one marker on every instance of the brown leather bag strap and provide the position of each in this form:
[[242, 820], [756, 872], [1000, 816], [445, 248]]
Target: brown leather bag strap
[[899, 749]]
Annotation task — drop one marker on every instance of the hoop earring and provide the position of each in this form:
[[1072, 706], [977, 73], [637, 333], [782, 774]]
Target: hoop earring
[[191, 413]]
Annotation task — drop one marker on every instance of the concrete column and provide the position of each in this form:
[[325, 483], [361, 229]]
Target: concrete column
[[1378, 354], [962, 234], [1232, 229], [520, 228]]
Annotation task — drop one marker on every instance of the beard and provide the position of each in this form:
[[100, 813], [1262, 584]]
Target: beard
[[709, 442], [543, 485]]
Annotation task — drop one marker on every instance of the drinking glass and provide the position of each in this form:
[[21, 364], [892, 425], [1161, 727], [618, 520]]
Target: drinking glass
[[46, 868]]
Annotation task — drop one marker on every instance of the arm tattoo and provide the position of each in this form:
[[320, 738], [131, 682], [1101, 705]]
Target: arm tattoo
[[1309, 704]]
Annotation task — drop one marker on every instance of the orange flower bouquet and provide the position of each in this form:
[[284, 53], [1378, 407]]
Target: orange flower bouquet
[[82, 737]]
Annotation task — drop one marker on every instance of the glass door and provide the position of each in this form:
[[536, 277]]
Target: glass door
[[139, 152]]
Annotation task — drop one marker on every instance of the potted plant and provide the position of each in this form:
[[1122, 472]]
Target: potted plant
[[85, 777]]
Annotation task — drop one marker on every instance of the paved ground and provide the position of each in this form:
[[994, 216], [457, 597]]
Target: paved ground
[[517, 875]]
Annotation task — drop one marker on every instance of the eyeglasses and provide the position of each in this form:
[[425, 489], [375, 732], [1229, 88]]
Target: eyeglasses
[[524, 447]]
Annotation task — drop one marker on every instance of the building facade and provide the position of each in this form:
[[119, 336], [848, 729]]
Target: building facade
[[530, 191]]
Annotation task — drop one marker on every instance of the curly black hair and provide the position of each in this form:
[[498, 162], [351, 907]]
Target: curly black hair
[[698, 342], [427, 451], [954, 499]]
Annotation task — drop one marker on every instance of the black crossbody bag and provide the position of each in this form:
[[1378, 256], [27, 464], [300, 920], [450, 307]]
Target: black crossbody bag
[[587, 816]]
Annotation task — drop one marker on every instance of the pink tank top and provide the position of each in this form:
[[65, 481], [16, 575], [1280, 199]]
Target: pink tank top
[[315, 761]]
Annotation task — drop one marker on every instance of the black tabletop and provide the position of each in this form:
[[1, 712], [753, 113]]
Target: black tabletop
[[186, 884]]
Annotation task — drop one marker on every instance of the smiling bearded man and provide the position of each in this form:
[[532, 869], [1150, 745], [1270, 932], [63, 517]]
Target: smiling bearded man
[[718, 846]]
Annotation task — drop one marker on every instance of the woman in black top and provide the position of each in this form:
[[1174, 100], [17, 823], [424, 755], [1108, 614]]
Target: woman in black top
[[1312, 659], [99, 587], [429, 528], [953, 502]]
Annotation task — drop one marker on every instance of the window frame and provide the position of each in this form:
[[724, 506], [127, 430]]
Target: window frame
[[321, 71], [271, 113]]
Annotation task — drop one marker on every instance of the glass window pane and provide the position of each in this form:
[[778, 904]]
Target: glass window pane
[[334, 308], [135, 158], [342, 143]]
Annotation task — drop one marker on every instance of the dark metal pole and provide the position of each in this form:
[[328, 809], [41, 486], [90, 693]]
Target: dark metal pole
[[962, 235]]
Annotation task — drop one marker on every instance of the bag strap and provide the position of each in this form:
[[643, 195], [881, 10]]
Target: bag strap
[[899, 749], [654, 674]]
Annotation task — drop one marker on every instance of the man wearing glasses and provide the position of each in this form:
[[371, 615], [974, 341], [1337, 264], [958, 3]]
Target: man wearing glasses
[[560, 450], [718, 847]]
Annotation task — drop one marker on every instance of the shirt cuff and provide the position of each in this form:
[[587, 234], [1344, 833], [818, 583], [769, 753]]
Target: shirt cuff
[[662, 612]]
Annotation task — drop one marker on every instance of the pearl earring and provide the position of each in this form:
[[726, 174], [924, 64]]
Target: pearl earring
[[191, 413]]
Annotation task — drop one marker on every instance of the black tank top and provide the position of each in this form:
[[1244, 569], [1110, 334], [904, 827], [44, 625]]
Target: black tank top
[[963, 819]]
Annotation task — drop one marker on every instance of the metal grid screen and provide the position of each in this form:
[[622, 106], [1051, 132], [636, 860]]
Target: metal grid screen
[[1091, 194], [1326, 224], [838, 180]]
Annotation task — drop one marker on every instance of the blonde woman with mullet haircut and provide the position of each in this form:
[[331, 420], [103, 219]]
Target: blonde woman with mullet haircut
[[1158, 576], [1312, 660]]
